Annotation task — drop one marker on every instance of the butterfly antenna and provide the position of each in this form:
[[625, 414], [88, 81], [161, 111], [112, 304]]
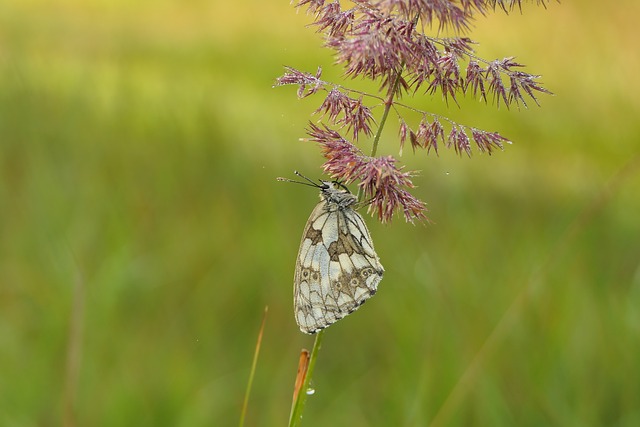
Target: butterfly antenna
[[310, 183], [307, 179]]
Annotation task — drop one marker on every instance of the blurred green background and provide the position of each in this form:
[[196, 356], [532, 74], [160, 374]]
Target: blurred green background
[[142, 231]]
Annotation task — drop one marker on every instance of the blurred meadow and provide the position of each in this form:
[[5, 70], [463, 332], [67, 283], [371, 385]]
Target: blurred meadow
[[142, 231]]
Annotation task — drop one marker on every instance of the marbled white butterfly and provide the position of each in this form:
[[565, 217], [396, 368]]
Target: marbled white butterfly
[[337, 268]]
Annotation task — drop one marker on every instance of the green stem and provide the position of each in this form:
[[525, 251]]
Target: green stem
[[298, 408], [388, 103], [387, 106], [253, 369]]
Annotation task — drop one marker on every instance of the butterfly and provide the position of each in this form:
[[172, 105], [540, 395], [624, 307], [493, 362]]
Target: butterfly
[[337, 268]]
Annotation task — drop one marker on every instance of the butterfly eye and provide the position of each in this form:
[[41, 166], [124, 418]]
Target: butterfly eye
[[315, 276], [365, 272], [305, 273], [355, 282]]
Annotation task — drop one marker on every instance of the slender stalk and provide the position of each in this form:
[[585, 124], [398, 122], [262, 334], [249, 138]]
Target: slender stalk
[[253, 369], [298, 408], [388, 103], [74, 352]]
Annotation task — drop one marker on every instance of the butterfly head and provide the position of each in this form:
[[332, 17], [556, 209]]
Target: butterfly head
[[336, 192], [330, 191]]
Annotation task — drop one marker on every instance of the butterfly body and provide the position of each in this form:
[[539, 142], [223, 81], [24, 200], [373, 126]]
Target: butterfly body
[[337, 268]]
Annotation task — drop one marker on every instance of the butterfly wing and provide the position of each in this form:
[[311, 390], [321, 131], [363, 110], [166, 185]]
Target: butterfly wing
[[337, 268]]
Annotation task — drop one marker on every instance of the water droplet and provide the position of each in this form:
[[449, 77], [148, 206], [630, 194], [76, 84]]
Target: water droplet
[[310, 391]]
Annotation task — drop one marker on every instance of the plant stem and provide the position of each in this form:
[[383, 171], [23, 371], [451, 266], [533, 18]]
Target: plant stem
[[245, 404], [387, 106], [298, 408]]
